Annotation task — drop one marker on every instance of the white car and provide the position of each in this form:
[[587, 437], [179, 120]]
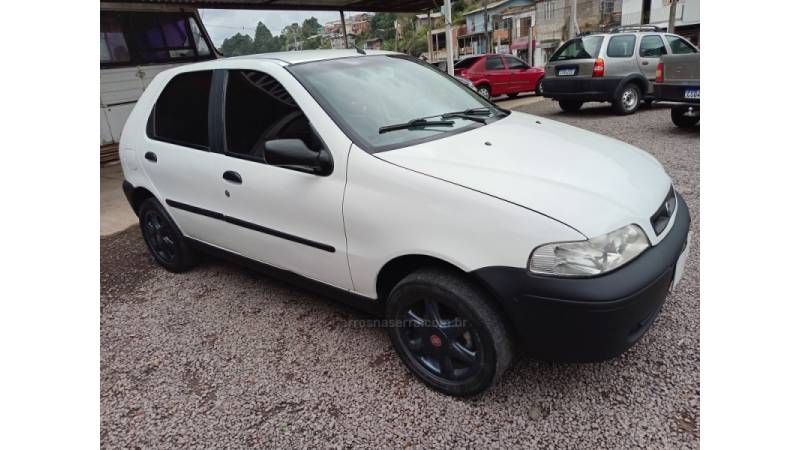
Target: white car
[[379, 180]]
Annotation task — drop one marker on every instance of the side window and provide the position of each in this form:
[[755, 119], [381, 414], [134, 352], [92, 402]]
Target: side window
[[258, 109], [652, 47], [679, 45], [180, 115], [621, 46], [113, 47], [514, 63], [494, 63]]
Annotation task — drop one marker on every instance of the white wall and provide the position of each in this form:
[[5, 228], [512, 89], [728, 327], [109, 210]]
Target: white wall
[[687, 12]]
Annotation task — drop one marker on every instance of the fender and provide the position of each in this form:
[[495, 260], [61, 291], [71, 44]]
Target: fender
[[639, 79]]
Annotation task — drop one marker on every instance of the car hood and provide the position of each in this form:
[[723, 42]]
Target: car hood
[[592, 183]]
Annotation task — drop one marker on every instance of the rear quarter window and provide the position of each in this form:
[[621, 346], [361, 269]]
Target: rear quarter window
[[180, 115], [621, 46]]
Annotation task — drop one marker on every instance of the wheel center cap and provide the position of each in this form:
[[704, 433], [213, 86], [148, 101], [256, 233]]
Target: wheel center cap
[[436, 341]]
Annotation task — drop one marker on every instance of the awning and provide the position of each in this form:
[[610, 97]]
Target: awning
[[521, 43]]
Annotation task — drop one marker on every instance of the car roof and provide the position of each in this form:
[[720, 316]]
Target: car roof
[[303, 56]]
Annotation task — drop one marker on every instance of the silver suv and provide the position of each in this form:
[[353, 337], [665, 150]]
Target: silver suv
[[617, 67]]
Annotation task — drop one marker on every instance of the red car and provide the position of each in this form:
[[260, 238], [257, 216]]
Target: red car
[[495, 75]]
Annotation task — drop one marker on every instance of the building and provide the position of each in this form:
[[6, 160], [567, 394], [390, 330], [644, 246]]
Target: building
[[522, 19], [487, 31], [656, 12], [373, 44]]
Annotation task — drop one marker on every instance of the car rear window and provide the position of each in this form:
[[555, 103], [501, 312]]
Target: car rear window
[[587, 47], [621, 46], [466, 63]]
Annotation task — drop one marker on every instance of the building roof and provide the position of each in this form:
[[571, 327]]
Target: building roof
[[490, 6], [309, 5]]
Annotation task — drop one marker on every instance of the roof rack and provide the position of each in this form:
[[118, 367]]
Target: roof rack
[[628, 28]]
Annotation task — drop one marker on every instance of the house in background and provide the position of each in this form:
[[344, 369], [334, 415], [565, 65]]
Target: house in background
[[656, 12], [487, 31]]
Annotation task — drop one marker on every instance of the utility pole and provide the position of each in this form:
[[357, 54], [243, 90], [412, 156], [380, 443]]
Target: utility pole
[[673, 5], [344, 27], [449, 36], [430, 37], [486, 28], [573, 25]]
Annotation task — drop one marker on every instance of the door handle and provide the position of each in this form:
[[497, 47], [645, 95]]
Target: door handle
[[150, 156], [644, 63], [232, 176]]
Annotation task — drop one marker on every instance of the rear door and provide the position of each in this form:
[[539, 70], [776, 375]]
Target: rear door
[[496, 73], [521, 79], [176, 157], [620, 59], [651, 48]]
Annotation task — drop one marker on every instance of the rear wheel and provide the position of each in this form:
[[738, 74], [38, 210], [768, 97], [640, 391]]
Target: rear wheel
[[163, 238], [680, 119], [570, 105], [538, 89], [447, 332], [627, 101], [484, 91]]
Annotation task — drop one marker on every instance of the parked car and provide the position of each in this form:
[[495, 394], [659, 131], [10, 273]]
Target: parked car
[[678, 82], [442, 66], [495, 75], [470, 229], [617, 67]]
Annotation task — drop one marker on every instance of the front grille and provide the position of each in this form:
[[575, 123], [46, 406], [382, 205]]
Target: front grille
[[660, 219]]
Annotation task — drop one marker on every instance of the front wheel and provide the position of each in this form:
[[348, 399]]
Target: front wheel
[[627, 101], [680, 119], [570, 105], [484, 91], [447, 332]]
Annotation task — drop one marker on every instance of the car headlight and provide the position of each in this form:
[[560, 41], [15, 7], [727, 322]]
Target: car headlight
[[591, 257]]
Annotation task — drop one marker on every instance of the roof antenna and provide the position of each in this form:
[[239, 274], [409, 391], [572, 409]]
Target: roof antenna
[[360, 50]]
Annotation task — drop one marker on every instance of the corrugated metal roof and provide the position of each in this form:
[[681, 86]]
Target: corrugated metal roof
[[310, 5]]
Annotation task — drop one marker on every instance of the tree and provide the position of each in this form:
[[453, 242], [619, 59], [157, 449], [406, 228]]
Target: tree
[[310, 27], [238, 44], [262, 43]]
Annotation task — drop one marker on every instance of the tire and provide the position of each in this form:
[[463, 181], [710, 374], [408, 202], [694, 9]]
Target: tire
[[455, 358], [538, 89], [513, 94], [485, 91], [627, 102], [163, 238], [570, 105], [682, 121]]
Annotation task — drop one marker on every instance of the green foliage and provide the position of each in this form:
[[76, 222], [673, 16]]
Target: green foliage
[[238, 44]]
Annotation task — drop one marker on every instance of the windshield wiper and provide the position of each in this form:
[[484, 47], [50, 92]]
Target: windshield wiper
[[416, 123]]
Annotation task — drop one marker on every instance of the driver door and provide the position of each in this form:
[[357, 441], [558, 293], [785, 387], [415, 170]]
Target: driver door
[[283, 217]]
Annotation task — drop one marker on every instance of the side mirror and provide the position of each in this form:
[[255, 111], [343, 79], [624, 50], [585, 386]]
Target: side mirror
[[294, 154]]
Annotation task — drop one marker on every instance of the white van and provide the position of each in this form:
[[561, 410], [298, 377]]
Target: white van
[[136, 43]]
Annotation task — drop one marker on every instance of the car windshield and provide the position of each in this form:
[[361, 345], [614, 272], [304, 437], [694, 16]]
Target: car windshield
[[587, 47], [368, 95]]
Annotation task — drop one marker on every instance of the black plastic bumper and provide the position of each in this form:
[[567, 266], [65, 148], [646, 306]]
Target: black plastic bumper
[[589, 319], [674, 93], [127, 188], [585, 89]]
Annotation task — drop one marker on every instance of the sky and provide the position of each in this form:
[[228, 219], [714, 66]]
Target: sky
[[223, 23]]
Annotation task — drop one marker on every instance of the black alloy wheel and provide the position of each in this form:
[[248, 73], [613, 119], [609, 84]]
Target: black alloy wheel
[[163, 238], [447, 332]]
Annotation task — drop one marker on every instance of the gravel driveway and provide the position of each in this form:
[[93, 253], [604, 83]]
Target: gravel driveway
[[221, 357]]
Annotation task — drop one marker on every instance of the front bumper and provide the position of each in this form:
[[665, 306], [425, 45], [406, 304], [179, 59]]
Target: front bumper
[[589, 319], [599, 89]]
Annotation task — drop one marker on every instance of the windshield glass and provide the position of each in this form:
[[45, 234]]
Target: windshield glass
[[587, 47], [365, 94]]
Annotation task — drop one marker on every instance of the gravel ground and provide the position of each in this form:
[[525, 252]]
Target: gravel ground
[[223, 357]]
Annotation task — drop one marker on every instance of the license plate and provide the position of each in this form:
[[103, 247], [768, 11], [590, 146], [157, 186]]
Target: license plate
[[692, 94], [566, 72], [679, 267]]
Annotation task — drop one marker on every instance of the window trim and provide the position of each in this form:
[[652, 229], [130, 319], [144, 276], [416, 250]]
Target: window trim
[[134, 51], [633, 50]]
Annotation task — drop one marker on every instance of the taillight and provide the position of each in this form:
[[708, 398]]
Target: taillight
[[660, 73], [599, 68]]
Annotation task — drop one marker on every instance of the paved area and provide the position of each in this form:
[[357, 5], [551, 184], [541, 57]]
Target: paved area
[[115, 213], [221, 357]]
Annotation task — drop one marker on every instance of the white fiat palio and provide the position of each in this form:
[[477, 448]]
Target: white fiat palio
[[378, 180]]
